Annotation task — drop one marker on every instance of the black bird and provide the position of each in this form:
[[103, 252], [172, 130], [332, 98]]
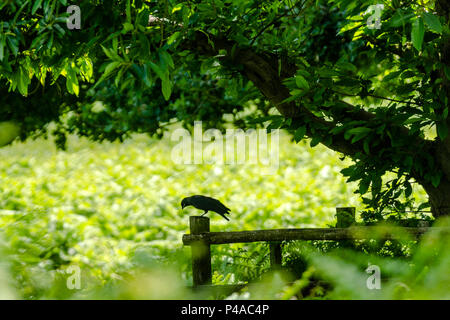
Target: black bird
[[206, 204]]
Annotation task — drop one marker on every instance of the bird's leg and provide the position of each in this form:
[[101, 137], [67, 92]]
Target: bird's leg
[[206, 211]]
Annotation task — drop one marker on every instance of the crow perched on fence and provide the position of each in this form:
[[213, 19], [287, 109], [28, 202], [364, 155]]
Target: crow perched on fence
[[206, 204]]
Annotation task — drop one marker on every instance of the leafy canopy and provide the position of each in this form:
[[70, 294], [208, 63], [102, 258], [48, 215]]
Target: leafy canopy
[[135, 66]]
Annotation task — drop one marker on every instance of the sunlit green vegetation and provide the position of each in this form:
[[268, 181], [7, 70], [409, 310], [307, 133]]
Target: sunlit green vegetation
[[114, 211]]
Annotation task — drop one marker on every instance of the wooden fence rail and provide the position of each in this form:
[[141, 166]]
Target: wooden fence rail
[[200, 239], [278, 235]]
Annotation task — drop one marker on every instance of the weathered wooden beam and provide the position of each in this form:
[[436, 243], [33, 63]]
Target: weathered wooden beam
[[201, 252], [352, 233]]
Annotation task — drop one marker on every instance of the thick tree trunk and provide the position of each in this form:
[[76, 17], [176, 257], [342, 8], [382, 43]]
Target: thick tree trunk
[[439, 198], [263, 70]]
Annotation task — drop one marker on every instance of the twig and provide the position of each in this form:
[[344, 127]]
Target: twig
[[276, 20]]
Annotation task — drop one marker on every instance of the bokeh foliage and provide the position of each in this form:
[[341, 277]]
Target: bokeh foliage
[[114, 210]]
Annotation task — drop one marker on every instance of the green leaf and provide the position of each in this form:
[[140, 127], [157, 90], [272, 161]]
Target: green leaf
[[128, 11], [376, 185], [423, 206], [167, 59], [400, 18], [177, 7], [2, 48], [366, 146], [166, 86], [108, 70], [417, 33], [157, 69], [392, 75], [432, 22], [359, 131], [447, 72], [23, 80], [264, 119], [408, 74], [408, 162], [364, 185], [348, 82], [301, 82], [127, 27], [315, 141], [408, 189], [299, 133], [173, 37], [348, 171], [276, 123], [344, 65], [13, 44], [358, 137], [37, 5], [442, 130], [72, 82], [435, 180], [108, 53], [111, 67], [119, 76], [350, 26]]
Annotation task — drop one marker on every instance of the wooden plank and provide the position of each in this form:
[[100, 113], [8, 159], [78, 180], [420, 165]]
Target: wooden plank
[[201, 252], [352, 233]]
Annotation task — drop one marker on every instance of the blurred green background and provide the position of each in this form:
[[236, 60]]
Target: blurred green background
[[113, 211]]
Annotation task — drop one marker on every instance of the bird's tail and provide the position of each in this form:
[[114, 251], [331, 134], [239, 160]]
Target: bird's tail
[[225, 217]]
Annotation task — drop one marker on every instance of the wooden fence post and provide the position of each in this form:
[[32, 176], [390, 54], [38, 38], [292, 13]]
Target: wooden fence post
[[275, 255], [201, 252], [345, 217]]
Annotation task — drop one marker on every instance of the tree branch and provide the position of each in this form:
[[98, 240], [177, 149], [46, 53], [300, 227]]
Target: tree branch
[[262, 70]]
